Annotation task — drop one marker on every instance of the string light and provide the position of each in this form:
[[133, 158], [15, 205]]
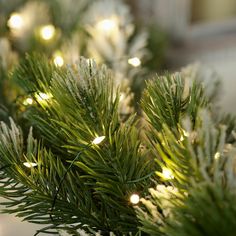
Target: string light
[[15, 21], [134, 198], [43, 96], [134, 61], [167, 173], [122, 96], [58, 59], [106, 25], [30, 164], [98, 140], [28, 101], [47, 32], [217, 155], [185, 134]]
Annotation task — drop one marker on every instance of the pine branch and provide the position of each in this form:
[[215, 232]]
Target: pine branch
[[167, 100], [210, 210], [68, 190], [34, 73]]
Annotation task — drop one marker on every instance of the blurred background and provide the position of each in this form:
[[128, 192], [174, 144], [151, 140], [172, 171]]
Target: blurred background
[[153, 36], [198, 31]]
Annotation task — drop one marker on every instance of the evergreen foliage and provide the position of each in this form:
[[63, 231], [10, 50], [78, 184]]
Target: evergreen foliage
[[209, 210], [76, 183], [53, 172], [196, 146]]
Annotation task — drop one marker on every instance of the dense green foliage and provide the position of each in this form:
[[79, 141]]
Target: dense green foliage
[[197, 148], [81, 105], [180, 145]]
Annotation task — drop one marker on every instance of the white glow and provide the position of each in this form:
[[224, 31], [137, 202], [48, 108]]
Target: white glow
[[217, 155], [106, 25], [186, 134], [167, 173], [98, 140], [134, 61], [47, 32], [30, 164], [43, 96], [58, 60], [28, 101], [15, 21], [134, 198], [122, 96]]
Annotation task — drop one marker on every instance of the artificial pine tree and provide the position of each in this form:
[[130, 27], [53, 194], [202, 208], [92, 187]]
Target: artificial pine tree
[[66, 29], [76, 165], [194, 147], [76, 158], [63, 175]]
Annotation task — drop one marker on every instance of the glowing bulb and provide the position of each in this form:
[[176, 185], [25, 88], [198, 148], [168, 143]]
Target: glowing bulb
[[98, 140], [47, 32], [43, 96], [135, 61], [106, 25], [134, 198], [122, 96], [28, 101], [30, 164], [167, 173], [58, 60], [15, 21], [217, 155], [186, 134]]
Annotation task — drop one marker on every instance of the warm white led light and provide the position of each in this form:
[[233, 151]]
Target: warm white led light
[[134, 198], [122, 96], [186, 134], [15, 21], [43, 96], [58, 60], [217, 155], [30, 164], [98, 140], [134, 61], [106, 25], [28, 101], [167, 173], [47, 32]]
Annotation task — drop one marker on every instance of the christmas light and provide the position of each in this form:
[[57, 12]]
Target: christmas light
[[217, 155], [30, 164], [15, 21], [167, 173], [28, 101], [134, 198], [47, 32], [98, 140], [185, 134], [134, 61], [58, 60], [43, 96], [106, 25], [122, 96]]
